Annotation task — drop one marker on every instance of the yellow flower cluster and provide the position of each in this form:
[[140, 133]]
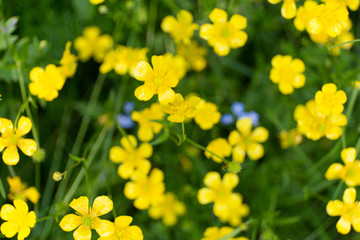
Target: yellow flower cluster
[[228, 206], [288, 8], [11, 139], [17, 219], [193, 54], [288, 73], [87, 218], [19, 190], [181, 108], [322, 116], [290, 138], [215, 233], [222, 34]]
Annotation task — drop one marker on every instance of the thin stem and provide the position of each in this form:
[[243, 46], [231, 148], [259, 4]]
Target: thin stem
[[183, 134], [12, 171], [21, 109]]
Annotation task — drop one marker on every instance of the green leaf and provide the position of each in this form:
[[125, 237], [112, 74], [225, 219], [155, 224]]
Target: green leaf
[[2, 190], [75, 158]]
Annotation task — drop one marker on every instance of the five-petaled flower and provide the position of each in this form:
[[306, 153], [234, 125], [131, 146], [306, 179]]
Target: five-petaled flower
[[121, 230]]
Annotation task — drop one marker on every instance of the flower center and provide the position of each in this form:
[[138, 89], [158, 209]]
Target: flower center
[[225, 32], [87, 221], [13, 139]]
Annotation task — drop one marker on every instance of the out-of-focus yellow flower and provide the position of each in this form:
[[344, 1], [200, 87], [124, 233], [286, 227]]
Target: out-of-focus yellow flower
[[123, 60], [246, 141], [288, 8], [68, 62], [288, 73], [352, 4], [182, 28], [123, 231], [220, 147], [330, 101], [12, 138], [87, 218], [46, 83], [157, 80], [193, 54], [176, 64], [304, 14], [348, 210], [146, 190], [350, 173], [217, 190], [146, 119], [223, 34], [168, 209], [17, 219], [233, 211], [91, 44], [290, 138], [314, 125], [207, 115], [180, 109], [214, 233], [344, 36], [96, 2], [132, 159], [19, 190]]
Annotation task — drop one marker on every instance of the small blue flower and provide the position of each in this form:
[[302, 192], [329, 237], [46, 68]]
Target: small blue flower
[[128, 107], [237, 108], [227, 119], [125, 121], [252, 115]]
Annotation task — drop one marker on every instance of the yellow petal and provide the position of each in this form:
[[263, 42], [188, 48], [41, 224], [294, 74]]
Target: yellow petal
[[335, 171], [30, 219], [131, 190], [156, 175], [145, 133], [2, 144], [230, 180], [5, 125], [244, 126], [9, 229], [102, 205], [238, 154], [205, 196], [32, 194], [168, 24], [349, 195], [142, 203], [81, 205], [103, 227], [11, 155], [123, 221], [288, 9], [128, 142], [70, 222], [218, 16], [27, 146], [238, 21], [348, 155], [21, 206], [334, 208], [343, 226], [238, 39], [260, 134], [212, 179], [142, 70], [117, 154], [166, 95], [234, 137], [286, 88], [135, 233], [255, 151], [24, 126], [145, 150], [221, 48], [82, 233], [126, 170], [206, 31], [144, 93], [7, 212]]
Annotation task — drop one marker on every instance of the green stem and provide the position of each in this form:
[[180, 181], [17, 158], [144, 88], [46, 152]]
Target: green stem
[[12, 171], [183, 134], [2, 190], [338, 189], [22, 108]]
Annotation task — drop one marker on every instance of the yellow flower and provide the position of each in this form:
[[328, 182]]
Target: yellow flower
[[147, 126], [146, 190], [123, 60], [246, 141], [176, 64], [123, 231], [217, 190], [168, 209], [92, 44], [12, 138], [344, 36], [96, 2], [182, 28], [45, 83], [88, 218], [348, 210], [314, 125], [133, 159], [19, 190], [207, 116], [330, 101], [223, 35], [157, 80], [288, 73], [68, 62], [17, 219], [214, 233], [352, 4], [288, 8], [304, 14], [233, 211], [193, 54], [180, 108], [350, 173], [220, 147], [290, 138]]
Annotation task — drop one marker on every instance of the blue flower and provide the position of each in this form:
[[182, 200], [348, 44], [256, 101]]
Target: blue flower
[[237, 108], [125, 121], [128, 107], [252, 115], [227, 119]]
